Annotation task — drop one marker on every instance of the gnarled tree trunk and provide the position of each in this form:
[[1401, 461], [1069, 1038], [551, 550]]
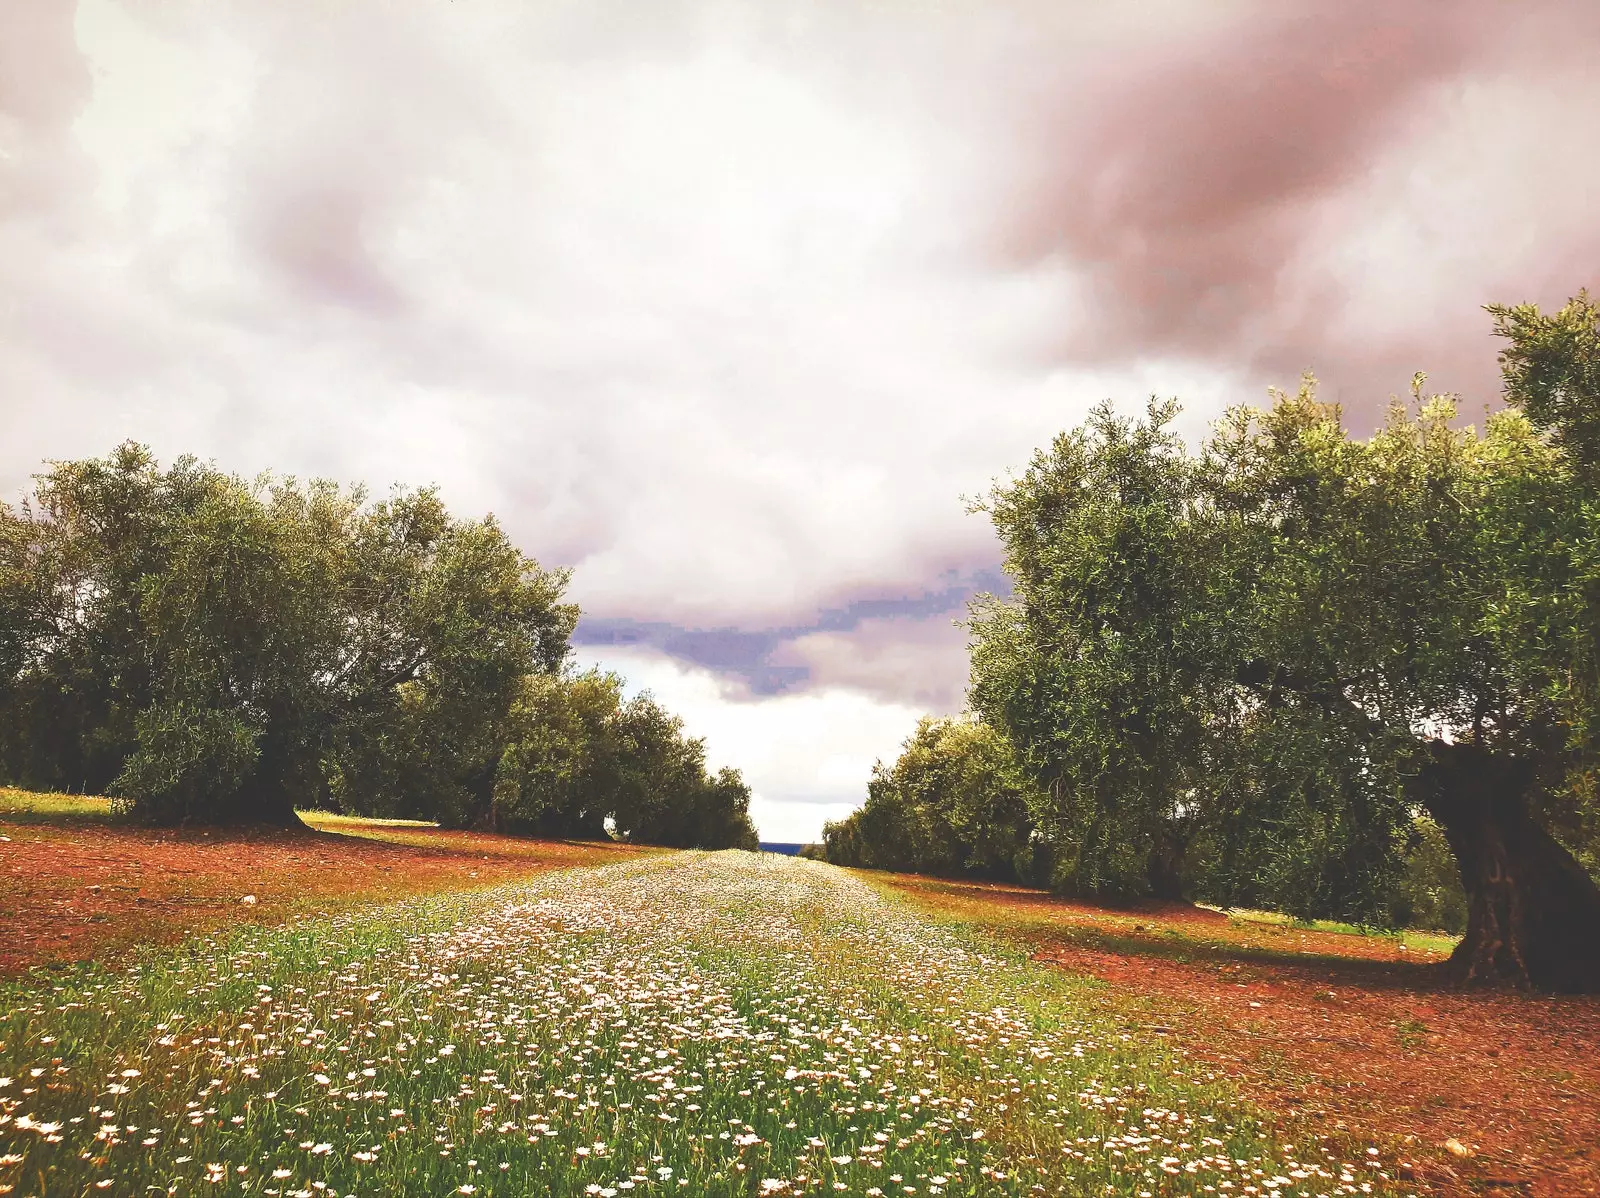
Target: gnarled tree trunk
[[1533, 913], [1164, 868], [260, 803]]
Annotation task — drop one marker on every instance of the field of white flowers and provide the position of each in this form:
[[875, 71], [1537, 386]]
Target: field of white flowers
[[728, 1023]]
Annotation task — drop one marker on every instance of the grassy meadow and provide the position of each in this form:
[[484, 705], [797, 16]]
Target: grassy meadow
[[728, 1023]]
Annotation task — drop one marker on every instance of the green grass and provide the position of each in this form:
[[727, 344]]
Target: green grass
[[713, 1024], [30, 807], [1412, 938], [335, 821]]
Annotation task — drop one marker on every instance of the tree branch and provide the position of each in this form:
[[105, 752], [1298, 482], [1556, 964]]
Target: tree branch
[[1327, 694]]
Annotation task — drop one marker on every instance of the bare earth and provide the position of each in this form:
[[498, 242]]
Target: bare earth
[[81, 888], [1340, 1030]]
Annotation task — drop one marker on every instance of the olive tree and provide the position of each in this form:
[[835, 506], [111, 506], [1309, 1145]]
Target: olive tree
[[580, 760], [1289, 642], [954, 802], [217, 649]]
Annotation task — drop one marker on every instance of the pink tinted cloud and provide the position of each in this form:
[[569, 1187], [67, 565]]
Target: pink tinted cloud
[[44, 83], [43, 78], [1181, 186], [1197, 186], [318, 239]]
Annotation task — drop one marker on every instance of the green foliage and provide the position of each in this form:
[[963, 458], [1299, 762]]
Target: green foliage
[[1552, 372], [186, 758], [447, 621], [955, 802], [1301, 821], [580, 761], [1545, 529], [560, 772], [1226, 666], [1091, 673], [73, 670], [236, 625], [1431, 894], [215, 649]]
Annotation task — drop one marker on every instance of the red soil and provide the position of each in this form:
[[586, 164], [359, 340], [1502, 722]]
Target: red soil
[[72, 891], [1343, 1033]]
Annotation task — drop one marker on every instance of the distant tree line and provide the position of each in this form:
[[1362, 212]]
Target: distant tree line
[[1296, 668], [208, 648], [957, 801]]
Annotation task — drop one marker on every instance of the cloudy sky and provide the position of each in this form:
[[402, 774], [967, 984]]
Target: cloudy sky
[[728, 304]]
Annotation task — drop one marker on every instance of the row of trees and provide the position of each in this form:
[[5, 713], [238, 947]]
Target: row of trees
[[580, 761], [214, 649], [1250, 668], [958, 801]]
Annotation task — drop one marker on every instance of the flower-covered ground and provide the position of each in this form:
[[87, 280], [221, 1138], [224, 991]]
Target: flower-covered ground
[[728, 1023]]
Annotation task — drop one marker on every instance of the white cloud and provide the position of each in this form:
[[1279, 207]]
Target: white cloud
[[806, 757], [694, 309], [707, 299]]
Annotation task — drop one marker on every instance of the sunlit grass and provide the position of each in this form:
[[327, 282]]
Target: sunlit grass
[[693, 1023], [27, 806], [333, 821], [1441, 943], [45, 807]]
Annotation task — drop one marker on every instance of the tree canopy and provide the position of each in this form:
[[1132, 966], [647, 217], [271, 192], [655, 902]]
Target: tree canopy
[[1284, 645], [580, 760], [216, 649], [955, 802]]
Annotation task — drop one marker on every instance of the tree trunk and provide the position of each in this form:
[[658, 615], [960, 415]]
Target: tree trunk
[[278, 812], [1164, 867], [263, 801], [1533, 913]]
